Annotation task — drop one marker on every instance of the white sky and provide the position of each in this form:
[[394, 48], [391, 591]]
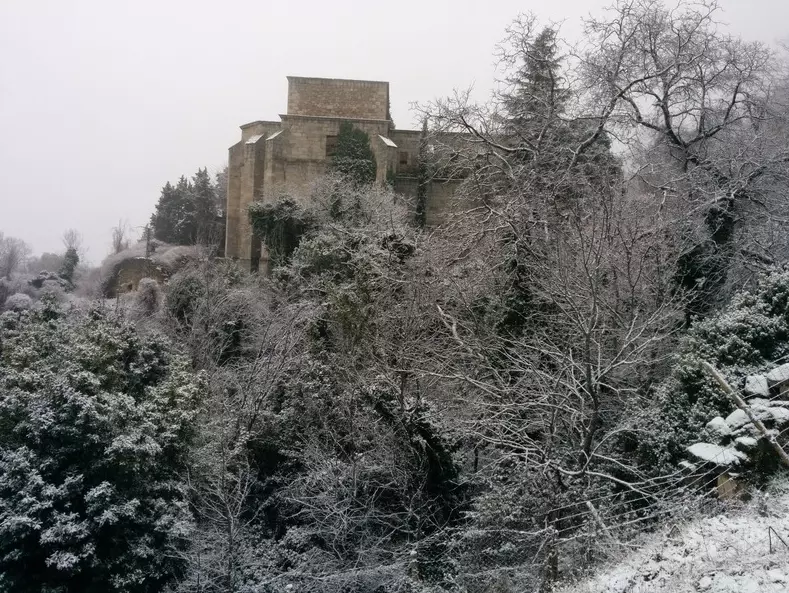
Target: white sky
[[103, 101]]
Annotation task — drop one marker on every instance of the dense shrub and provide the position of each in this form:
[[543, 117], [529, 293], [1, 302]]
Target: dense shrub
[[96, 421], [18, 302], [746, 337], [147, 297]]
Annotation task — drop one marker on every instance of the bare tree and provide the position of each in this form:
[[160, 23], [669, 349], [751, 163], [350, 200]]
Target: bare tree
[[698, 105], [13, 255], [121, 236], [72, 239]]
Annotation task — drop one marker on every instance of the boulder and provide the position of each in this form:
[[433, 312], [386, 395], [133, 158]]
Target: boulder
[[745, 443], [778, 375], [756, 385], [717, 427], [709, 453], [738, 418], [780, 415]]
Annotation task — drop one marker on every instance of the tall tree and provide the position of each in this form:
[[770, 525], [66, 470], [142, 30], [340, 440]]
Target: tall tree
[[187, 213]]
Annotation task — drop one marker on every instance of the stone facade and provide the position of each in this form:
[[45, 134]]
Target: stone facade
[[289, 154]]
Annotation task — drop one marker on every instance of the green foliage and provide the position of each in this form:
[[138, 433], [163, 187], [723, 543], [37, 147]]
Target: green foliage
[[189, 212], [95, 425], [280, 225], [69, 265], [184, 291], [746, 337], [354, 159]]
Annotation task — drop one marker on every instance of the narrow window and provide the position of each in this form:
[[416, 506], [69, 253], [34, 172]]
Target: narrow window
[[331, 146], [404, 158]]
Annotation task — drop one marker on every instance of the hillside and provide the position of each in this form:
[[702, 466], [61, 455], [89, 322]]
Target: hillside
[[736, 550]]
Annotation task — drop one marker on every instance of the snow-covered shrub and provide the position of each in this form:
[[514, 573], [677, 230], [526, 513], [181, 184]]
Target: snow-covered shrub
[[53, 291], [743, 339], [183, 293], [18, 302], [96, 423], [147, 297]]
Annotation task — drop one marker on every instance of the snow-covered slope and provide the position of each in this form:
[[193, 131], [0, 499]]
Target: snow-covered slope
[[726, 553]]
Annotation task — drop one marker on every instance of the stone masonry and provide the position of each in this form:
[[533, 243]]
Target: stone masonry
[[274, 157]]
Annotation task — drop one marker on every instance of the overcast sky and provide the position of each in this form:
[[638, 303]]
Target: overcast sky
[[103, 101]]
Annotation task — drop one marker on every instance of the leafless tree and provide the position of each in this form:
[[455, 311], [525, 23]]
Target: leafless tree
[[121, 236], [13, 255], [72, 239]]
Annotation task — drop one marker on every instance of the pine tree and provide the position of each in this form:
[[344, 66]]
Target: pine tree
[[538, 95], [187, 213]]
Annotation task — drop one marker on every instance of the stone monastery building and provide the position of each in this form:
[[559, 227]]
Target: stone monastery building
[[291, 153]]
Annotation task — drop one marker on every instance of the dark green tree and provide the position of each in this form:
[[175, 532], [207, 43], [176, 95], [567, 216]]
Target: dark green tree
[[69, 265], [95, 424], [187, 213], [354, 159]]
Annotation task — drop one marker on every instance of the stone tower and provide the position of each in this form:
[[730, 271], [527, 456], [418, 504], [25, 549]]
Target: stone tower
[[289, 154]]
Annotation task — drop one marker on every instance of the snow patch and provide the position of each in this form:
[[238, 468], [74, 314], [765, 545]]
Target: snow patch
[[778, 374], [716, 454], [757, 385], [718, 427], [727, 553]]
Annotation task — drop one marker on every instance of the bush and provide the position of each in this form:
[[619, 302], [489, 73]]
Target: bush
[[745, 338], [95, 426], [183, 293], [18, 302], [147, 297], [280, 225]]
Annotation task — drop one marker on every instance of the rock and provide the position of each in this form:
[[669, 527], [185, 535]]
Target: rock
[[745, 443], [704, 583], [778, 375], [756, 385], [716, 454], [780, 415], [691, 467], [776, 576], [718, 427], [737, 419]]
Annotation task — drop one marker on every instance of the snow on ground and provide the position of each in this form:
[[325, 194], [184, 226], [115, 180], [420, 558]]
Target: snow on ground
[[725, 553]]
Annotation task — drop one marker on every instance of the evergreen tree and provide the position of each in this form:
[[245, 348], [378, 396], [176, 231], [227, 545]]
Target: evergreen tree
[[537, 96], [69, 265], [354, 159], [96, 424], [187, 213]]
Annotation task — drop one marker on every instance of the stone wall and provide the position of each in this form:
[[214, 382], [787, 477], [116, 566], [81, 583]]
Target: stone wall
[[287, 156], [442, 198], [407, 142], [330, 97]]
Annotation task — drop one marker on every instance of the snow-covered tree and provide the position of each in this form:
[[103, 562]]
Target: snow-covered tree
[[96, 424]]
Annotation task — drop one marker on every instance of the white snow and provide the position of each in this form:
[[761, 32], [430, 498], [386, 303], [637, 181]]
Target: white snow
[[716, 454], [757, 385], [746, 442], [253, 139], [778, 374], [718, 427], [780, 415], [727, 553], [387, 141], [737, 419], [274, 135]]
